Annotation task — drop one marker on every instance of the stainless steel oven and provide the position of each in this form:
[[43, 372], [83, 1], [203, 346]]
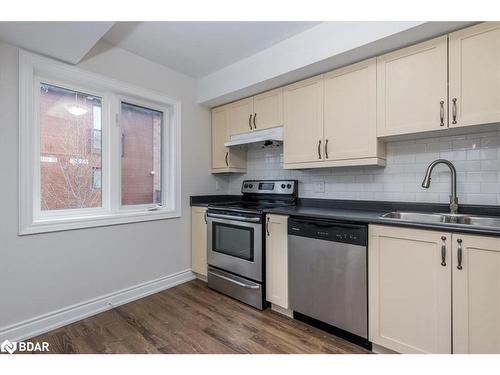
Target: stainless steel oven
[[235, 253], [235, 239], [235, 243]]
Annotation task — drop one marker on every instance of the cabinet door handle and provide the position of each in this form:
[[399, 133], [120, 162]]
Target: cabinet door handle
[[254, 117], [250, 122], [205, 217], [227, 154], [443, 251], [459, 254], [319, 149], [454, 110], [326, 148], [267, 227], [441, 112]]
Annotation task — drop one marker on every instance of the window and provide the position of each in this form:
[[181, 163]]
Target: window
[[141, 155], [65, 121], [93, 151]]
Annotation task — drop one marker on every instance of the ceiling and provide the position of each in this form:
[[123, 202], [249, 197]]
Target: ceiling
[[229, 60], [66, 41], [200, 48]]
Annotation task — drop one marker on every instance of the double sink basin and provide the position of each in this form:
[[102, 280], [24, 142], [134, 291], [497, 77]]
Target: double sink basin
[[421, 217]]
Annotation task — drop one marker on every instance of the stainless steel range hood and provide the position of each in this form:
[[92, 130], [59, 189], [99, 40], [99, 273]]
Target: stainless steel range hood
[[272, 134]]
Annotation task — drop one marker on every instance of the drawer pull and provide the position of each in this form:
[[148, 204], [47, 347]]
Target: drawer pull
[[443, 251], [459, 254], [454, 110], [441, 112]]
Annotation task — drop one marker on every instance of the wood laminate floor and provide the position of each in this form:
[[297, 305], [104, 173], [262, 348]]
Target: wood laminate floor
[[191, 318]]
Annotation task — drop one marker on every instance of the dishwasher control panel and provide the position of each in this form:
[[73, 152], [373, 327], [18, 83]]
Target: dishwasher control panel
[[329, 230]]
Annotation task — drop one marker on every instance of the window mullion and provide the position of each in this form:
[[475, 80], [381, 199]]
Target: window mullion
[[113, 174]]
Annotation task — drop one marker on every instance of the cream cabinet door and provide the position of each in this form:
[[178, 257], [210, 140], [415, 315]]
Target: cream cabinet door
[[199, 240], [350, 124], [475, 75], [277, 260], [409, 289], [220, 152], [303, 121], [412, 89], [476, 294], [240, 116], [224, 159], [268, 109]]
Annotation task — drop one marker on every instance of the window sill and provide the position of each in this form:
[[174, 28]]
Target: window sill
[[71, 223]]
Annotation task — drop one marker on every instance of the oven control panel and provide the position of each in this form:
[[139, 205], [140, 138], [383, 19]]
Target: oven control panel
[[269, 187]]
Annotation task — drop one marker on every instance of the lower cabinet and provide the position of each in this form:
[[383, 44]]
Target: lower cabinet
[[409, 290], [199, 241], [476, 294], [413, 275], [277, 260]]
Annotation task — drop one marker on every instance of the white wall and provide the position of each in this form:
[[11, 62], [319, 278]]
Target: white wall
[[321, 48], [476, 157], [43, 273]]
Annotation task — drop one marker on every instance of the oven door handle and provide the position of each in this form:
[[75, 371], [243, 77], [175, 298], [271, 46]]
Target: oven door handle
[[234, 217], [234, 281]]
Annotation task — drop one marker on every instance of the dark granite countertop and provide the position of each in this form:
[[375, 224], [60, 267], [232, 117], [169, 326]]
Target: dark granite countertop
[[374, 217], [370, 212], [205, 200]]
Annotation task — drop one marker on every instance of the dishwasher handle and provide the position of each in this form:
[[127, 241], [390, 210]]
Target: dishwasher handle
[[326, 223]]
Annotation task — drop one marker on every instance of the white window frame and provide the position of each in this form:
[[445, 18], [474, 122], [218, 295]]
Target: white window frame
[[34, 69]]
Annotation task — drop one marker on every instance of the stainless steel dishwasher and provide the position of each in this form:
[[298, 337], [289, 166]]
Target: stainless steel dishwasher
[[327, 273]]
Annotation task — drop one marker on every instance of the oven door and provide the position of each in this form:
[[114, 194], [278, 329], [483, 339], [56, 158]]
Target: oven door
[[235, 245]]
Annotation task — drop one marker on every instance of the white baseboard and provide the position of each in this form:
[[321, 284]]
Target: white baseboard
[[48, 322]]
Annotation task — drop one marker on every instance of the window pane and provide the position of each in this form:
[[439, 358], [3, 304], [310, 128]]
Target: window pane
[[141, 155], [69, 149]]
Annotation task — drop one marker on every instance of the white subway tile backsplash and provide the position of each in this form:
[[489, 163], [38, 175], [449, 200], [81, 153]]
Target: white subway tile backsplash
[[475, 156]]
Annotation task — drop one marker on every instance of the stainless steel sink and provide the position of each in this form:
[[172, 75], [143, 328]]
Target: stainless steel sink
[[416, 216], [482, 221], [421, 217]]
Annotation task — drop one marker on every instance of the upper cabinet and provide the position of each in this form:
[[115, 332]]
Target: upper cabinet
[[268, 109], [240, 115], [219, 134], [474, 65], [224, 159], [256, 113], [412, 89], [303, 115], [448, 82], [330, 120], [350, 115]]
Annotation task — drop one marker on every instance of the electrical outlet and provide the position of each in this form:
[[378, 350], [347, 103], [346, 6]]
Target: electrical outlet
[[319, 187], [217, 185]]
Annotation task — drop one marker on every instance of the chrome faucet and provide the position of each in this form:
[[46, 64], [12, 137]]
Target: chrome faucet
[[427, 182]]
